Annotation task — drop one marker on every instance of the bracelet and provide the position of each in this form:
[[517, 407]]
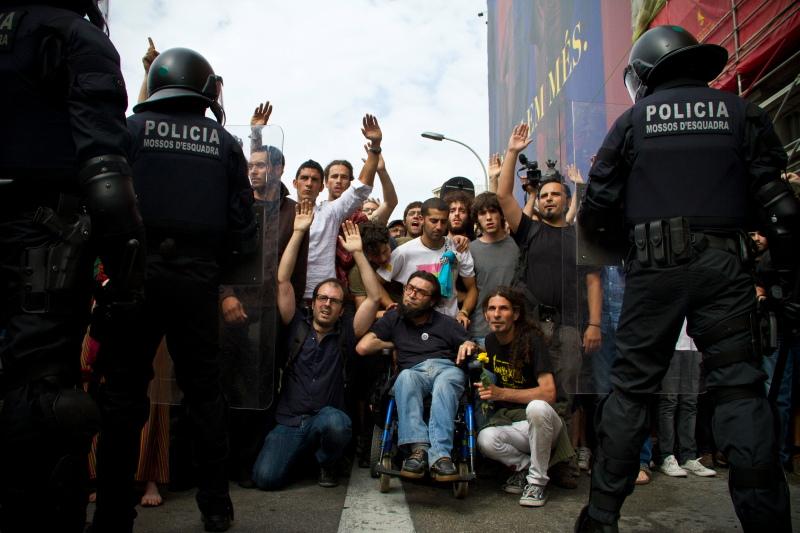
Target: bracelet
[[595, 325], [375, 150], [461, 311]]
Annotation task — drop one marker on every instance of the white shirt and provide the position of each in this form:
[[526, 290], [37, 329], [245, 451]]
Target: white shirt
[[413, 256], [328, 218]]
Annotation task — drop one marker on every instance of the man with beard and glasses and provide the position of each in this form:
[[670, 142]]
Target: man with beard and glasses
[[429, 346], [311, 410]]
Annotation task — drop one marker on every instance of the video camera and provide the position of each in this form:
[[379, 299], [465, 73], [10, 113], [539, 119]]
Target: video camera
[[532, 174]]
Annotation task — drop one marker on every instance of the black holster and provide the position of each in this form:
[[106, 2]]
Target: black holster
[[663, 243], [52, 271]]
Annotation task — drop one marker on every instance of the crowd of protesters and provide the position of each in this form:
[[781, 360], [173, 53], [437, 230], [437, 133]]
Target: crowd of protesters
[[484, 273]]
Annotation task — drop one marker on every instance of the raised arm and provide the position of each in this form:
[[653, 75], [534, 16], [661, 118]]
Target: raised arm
[[372, 132], [147, 60], [365, 315], [495, 164], [518, 141], [259, 119], [384, 211], [575, 176], [304, 215]]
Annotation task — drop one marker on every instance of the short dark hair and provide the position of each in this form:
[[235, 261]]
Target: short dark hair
[[564, 186], [332, 281], [486, 201], [310, 164], [436, 295], [409, 207], [373, 236], [342, 162], [274, 153], [434, 203]]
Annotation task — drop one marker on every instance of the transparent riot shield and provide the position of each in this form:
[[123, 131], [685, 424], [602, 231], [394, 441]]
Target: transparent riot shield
[[597, 268], [248, 313]]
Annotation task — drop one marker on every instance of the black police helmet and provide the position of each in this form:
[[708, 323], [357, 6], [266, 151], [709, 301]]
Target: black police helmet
[[668, 52], [182, 74]]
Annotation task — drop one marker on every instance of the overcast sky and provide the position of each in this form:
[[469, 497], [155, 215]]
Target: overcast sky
[[416, 64]]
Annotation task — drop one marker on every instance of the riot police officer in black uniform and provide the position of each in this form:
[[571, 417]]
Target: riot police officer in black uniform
[[191, 180], [66, 197], [681, 170]]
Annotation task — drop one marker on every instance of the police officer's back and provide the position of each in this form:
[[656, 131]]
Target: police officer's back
[[682, 174], [65, 198], [191, 180]]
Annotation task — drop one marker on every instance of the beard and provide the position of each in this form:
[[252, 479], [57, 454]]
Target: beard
[[411, 313]]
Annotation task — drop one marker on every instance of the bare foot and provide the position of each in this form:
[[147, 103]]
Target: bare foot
[[92, 497], [151, 497]]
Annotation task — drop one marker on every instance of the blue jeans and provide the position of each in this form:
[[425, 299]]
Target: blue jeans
[[328, 431], [444, 382], [784, 399]]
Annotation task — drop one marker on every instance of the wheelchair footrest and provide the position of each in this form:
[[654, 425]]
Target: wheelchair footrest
[[470, 476]]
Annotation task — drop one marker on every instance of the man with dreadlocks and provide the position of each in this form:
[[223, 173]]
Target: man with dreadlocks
[[525, 432]]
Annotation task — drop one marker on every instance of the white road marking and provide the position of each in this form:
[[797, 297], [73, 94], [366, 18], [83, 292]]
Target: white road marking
[[366, 509]]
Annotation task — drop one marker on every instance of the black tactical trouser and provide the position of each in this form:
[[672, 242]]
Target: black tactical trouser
[[181, 304], [710, 289], [43, 460]]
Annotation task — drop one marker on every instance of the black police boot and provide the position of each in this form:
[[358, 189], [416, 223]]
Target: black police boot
[[587, 524], [217, 515], [328, 477]]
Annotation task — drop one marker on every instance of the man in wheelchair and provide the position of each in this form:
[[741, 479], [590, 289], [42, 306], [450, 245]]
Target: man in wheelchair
[[426, 343]]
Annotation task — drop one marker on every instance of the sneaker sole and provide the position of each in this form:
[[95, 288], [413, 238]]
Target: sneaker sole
[[700, 474], [533, 503], [672, 474], [512, 490]]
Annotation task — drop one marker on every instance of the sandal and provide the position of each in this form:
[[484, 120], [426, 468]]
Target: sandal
[[645, 475]]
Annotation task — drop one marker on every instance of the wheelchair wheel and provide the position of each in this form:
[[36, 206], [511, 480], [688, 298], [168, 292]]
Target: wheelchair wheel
[[375, 451], [385, 478], [461, 488]]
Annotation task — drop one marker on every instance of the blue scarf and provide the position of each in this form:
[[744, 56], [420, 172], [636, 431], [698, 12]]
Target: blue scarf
[[448, 261]]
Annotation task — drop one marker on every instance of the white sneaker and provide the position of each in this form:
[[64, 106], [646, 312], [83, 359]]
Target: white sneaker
[[584, 457], [670, 467], [695, 467]]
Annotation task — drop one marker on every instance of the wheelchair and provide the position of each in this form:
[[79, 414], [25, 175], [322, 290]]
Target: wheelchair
[[386, 456]]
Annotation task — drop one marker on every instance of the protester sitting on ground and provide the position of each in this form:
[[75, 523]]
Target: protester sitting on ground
[[525, 431], [310, 413], [429, 346]]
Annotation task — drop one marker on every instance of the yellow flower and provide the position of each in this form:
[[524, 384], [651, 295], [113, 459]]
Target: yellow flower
[[483, 357]]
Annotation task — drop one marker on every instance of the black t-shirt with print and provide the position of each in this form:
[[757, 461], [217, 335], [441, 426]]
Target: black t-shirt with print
[[501, 365]]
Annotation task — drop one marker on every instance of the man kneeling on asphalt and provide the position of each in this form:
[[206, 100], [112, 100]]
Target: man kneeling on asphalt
[[426, 343], [525, 432], [311, 411]]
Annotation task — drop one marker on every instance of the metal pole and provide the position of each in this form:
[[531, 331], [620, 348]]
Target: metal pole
[[485, 174]]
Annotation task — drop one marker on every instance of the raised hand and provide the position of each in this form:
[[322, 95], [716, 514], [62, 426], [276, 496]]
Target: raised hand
[[303, 215], [574, 174], [352, 237], [495, 164], [261, 114], [371, 130], [150, 55], [519, 139]]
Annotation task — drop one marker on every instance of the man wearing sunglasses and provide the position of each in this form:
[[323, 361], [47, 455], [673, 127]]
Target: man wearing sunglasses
[[311, 413], [427, 341]]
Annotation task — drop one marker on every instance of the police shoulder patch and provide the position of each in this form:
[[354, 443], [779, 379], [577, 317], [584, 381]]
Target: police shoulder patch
[[9, 23]]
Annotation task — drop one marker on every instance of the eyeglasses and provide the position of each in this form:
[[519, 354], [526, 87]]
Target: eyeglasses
[[416, 291], [323, 299]]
